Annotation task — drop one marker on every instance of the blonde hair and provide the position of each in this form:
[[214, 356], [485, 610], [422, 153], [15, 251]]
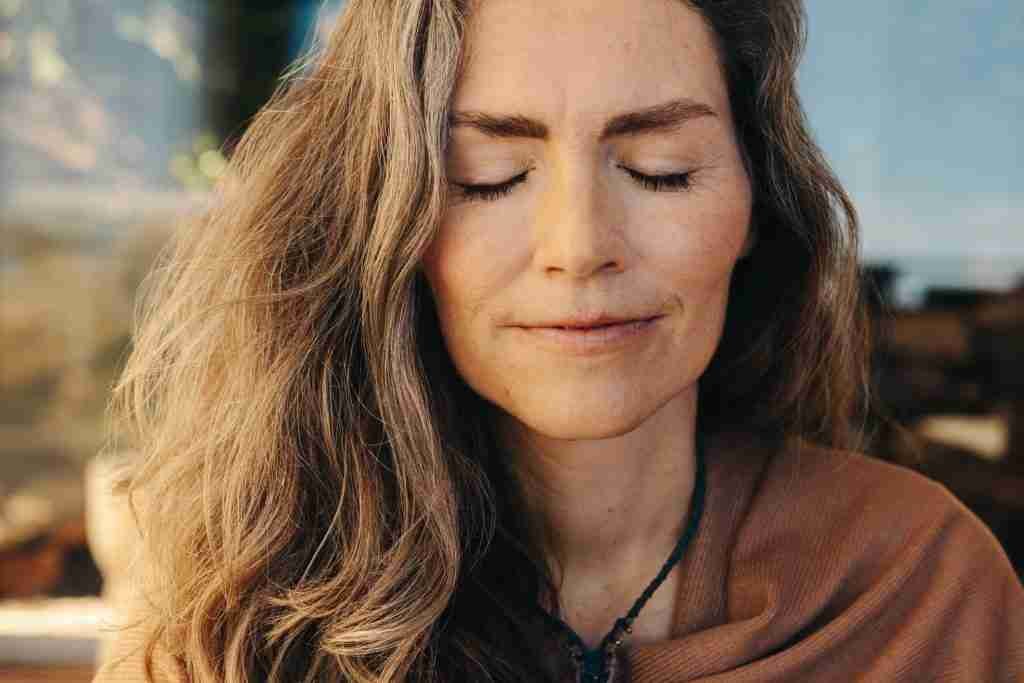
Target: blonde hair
[[324, 499]]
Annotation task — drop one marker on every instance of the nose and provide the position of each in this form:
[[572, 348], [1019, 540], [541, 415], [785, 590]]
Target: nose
[[578, 231]]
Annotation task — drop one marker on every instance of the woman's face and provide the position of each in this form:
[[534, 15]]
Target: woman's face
[[578, 233]]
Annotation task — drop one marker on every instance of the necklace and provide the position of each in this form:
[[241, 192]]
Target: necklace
[[595, 662]]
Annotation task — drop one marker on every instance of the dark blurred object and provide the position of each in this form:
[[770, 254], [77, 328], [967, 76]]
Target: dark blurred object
[[254, 39], [56, 563], [50, 674], [948, 379]]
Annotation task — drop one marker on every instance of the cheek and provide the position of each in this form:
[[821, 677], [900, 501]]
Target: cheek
[[460, 270], [698, 249], [474, 255], [444, 265]]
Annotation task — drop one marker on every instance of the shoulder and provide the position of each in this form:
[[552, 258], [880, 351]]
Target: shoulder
[[800, 496], [851, 542], [848, 542], [810, 495], [872, 505]]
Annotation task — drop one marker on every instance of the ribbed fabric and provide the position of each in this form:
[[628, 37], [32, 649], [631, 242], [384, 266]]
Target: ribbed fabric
[[819, 566]]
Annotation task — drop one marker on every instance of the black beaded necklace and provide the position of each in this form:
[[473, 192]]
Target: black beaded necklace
[[595, 662]]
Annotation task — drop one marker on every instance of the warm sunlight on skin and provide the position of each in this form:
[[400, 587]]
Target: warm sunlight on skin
[[578, 233]]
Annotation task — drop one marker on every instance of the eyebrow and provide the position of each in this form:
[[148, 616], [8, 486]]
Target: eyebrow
[[660, 117]]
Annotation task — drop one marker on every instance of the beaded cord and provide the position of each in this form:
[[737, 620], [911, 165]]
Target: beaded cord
[[595, 662]]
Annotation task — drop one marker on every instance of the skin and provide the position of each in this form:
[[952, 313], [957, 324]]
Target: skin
[[605, 442]]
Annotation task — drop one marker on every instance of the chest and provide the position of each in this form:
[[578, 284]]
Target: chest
[[592, 612], [591, 645]]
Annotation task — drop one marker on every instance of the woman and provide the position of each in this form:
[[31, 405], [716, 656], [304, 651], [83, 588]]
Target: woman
[[374, 451]]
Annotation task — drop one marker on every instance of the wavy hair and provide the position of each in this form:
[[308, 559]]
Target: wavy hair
[[323, 498]]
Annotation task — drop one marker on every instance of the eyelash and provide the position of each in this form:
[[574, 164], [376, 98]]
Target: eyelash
[[657, 183]]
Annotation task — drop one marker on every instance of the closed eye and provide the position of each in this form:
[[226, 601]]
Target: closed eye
[[673, 182]]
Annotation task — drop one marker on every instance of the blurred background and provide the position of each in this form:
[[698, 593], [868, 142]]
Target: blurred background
[[117, 117]]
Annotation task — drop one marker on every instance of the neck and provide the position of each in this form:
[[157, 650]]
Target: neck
[[608, 512]]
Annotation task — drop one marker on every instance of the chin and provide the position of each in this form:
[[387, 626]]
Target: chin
[[583, 430], [582, 420]]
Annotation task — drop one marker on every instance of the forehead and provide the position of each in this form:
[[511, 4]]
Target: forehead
[[572, 63]]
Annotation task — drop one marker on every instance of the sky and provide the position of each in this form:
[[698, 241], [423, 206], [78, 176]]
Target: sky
[[919, 107]]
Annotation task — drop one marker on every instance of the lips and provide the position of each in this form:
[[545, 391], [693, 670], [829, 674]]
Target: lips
[[591, 323], [596, 326], [591, 327], [596, 340]]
